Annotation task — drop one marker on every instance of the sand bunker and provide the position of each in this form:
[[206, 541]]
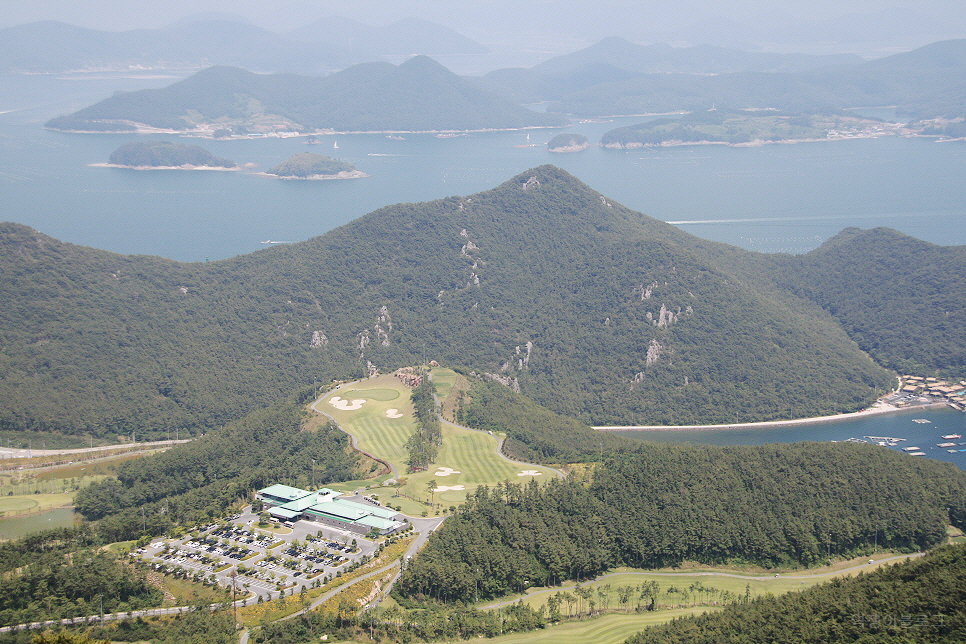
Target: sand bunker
[[446, 471], [346, 405], [447, 488], [530, 473], [393, 413]]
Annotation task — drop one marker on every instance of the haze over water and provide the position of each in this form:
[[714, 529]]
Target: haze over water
[[774, 198]]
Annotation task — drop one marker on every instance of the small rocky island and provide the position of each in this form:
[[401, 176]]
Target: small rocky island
[[568, 142], [164, 155], [311, 166]]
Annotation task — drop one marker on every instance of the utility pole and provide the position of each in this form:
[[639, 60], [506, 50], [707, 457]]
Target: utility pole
[[234, 608]]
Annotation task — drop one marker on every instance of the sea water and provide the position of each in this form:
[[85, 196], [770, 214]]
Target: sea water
[[773, 198], [923, 428]]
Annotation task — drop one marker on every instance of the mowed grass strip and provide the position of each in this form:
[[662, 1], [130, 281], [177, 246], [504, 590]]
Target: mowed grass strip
[[607, 629]]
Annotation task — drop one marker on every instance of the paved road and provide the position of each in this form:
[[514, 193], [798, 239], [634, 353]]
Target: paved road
[[6, 452], [645, 573]]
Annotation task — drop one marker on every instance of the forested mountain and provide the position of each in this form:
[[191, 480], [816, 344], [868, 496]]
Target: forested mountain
[[401, 38], [323, 46], [898, 297], [618, 78], [49, 46], [916, 601], [418, 95], [702, 59], [589, 308], [664, 504]]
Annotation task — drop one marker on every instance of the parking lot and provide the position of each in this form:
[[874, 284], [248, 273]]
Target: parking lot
[[264, 561]]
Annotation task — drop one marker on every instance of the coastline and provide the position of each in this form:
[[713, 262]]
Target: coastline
[[875, 410], [345, 174], [165, 167]]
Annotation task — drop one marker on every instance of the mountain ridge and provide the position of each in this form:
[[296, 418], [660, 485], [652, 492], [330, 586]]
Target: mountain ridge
[[589, 308]]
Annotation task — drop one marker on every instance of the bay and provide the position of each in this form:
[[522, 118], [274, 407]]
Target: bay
[[773, 198], [907, 425]]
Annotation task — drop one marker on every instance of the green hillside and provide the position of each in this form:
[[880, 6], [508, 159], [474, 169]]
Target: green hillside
[[418, 95], [918, 601], [661, 505], [900, 298], [590, 309]]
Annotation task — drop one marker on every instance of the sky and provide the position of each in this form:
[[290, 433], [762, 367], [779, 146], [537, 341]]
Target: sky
[[867, 27]]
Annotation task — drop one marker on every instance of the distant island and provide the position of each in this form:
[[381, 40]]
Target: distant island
[[742, 127], [164, 155], [419, 95], [568, 142], [308, 165]]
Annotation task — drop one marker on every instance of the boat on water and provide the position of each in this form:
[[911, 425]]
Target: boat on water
[[885, 441], [950, 437], [910, 449], [917, 453], [945, 444], [335, 145]]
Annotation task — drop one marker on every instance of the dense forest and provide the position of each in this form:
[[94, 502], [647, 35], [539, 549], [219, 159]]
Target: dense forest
[[661, 505], [308, 164], [588, 308], [917, 601], [898, 297], [66, 573], [155, 154], [418, 95], [201, 480]]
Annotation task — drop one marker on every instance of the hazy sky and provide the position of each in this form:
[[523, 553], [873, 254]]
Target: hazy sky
[[819, 25]]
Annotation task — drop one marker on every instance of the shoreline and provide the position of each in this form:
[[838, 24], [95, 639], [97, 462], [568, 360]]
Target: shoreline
[[344, 174], [164, 167], [876, 410]]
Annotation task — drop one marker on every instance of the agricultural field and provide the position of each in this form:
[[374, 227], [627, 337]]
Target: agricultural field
[[378, 413]]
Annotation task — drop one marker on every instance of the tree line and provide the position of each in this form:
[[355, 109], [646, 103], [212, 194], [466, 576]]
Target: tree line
[[775, 505]]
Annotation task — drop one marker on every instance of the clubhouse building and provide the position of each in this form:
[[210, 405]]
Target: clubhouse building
[[326, 507]]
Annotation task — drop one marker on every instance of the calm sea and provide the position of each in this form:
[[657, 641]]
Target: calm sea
[[909, 425], [775, 198]]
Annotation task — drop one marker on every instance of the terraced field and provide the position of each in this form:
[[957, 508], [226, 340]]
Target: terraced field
[[379, 414]]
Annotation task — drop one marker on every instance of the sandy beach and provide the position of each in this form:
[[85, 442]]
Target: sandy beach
[[876, 409]]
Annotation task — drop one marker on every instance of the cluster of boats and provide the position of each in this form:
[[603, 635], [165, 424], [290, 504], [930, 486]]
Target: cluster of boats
[[887, 441]]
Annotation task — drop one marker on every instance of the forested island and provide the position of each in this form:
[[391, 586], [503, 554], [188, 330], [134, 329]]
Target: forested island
[[568, 142], [741, 127], [158, 155], [308, 165]]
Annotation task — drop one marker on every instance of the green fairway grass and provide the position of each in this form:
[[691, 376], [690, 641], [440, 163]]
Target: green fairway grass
[[607, 629], [471, 454]]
